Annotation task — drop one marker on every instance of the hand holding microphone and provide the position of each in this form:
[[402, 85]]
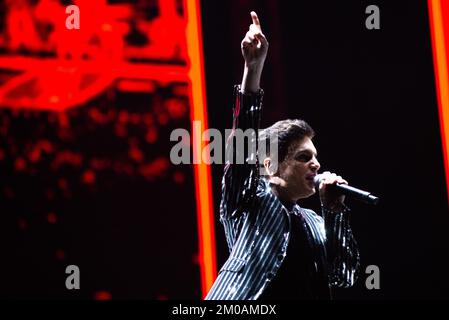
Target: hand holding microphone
[[333, 188]]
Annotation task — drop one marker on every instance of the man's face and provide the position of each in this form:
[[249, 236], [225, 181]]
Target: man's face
[[298, 169]]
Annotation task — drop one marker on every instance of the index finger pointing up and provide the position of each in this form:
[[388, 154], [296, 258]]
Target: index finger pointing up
[[256, 20]]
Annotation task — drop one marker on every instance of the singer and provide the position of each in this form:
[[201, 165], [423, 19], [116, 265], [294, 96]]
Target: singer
[[279, 250]]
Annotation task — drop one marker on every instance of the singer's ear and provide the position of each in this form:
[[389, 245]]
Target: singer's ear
[[268, 164]]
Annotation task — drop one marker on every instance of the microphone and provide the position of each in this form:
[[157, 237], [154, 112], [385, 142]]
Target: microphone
[[349, 191]]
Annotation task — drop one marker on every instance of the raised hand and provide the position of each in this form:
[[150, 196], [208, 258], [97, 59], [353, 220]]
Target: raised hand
[[254, 45], [254, 50]]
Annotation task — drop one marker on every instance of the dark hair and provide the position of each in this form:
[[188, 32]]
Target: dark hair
[[287, 132]]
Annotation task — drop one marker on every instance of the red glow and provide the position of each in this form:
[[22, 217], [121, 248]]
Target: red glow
[[155, 168], [179, 177], [51, 218], [162, 119], [20, 164], [62, 184], [151, 135], [176, 108], [89, 177], [85, 62], [135, 154], [136, 86], [66, 157], [134, 118], [195, 259], [148, 119], [123, 116], [103, 295], [120, 130], [34, 155], [162, 297], [97, 116], [100, 164]]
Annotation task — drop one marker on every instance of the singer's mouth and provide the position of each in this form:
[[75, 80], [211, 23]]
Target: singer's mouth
[[310, 176]]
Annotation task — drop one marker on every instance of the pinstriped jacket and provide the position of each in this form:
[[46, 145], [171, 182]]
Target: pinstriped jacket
[[257, 225]]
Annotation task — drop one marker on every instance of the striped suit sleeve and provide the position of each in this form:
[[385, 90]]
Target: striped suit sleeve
[[241, 172], [342, 249]]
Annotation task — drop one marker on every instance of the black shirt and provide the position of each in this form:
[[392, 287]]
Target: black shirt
[[300, 276]]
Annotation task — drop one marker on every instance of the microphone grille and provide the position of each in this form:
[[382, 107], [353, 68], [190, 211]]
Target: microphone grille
[[317, 180]]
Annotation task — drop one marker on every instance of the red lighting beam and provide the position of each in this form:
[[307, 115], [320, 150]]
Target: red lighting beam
[[203, 185], [439, 29]]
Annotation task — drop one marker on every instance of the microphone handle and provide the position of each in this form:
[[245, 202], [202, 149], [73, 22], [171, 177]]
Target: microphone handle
[[355, 193]]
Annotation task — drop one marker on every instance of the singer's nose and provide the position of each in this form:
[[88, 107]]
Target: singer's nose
[[315, 165]]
